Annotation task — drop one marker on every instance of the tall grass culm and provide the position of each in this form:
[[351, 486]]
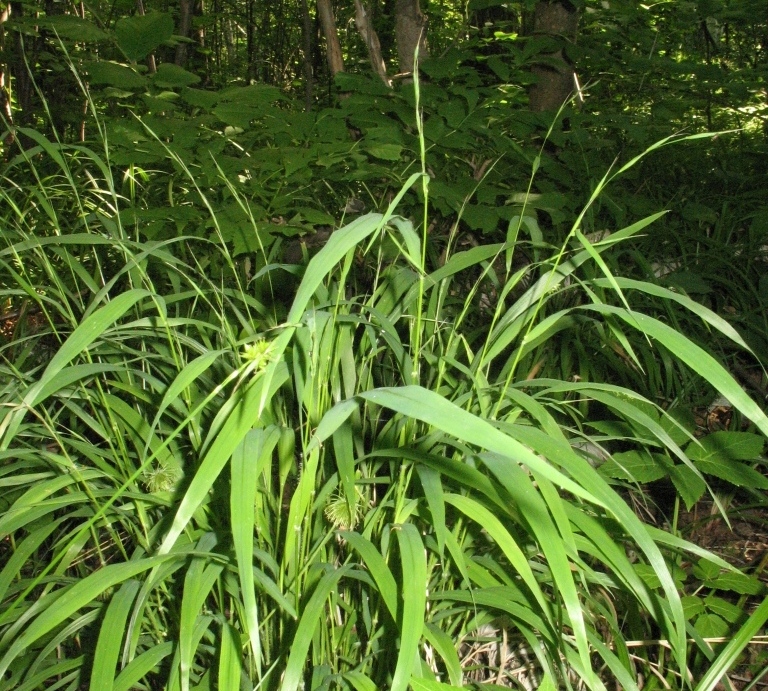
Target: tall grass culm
[[361, 496]]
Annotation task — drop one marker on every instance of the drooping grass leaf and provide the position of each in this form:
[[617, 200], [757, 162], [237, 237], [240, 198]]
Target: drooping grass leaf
[[78, 595]]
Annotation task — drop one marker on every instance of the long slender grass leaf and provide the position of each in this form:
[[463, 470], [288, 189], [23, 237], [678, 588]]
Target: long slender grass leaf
[[242, 418], [305, 629], [79, 595], [414, 593], [108, 644], [696, 358]]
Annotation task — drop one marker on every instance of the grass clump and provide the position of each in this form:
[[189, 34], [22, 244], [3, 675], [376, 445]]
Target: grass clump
[[199, 491]]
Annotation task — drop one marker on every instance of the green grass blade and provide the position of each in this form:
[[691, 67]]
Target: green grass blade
[[433, 491], [501, 536], [142, 665], [110, 636], [188, 375], [82, 593], [305, 630], [229, 659], [85, 334], [421, 404], [446, 648], [21, 554], [377, 567], [696, 358], [331, 421], [245, 474], [414, 592], [418, 684], [733, 649], [198, 582], [345, 461], [243, 416], [360, 682], [704, 313]]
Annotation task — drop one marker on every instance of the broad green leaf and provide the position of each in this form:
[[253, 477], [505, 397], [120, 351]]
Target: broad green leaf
[[114, 74], [727, 610], [139, 35], [711, 625], [384, 151], [688, 483], [170, 76], [735, 472], [72, 27], [634, 466], [736, 582], [735, 446]]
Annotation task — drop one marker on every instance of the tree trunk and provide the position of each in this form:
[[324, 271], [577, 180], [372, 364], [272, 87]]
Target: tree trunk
[[306, 32], [410, 33], [5, 81], [150, 61], [332, 46], [555, 77], [371, 38], [22, 81], [185, 28]]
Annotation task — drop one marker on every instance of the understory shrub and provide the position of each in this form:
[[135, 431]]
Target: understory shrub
[[236, 472]]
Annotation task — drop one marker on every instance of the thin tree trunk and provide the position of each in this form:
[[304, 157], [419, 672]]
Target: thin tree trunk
[[555, 78], [306, 30], [185, 29], [250, 44], [22, 81], [371, 38], [5, 77], [410, 33], [151, 64], [332, 46]]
